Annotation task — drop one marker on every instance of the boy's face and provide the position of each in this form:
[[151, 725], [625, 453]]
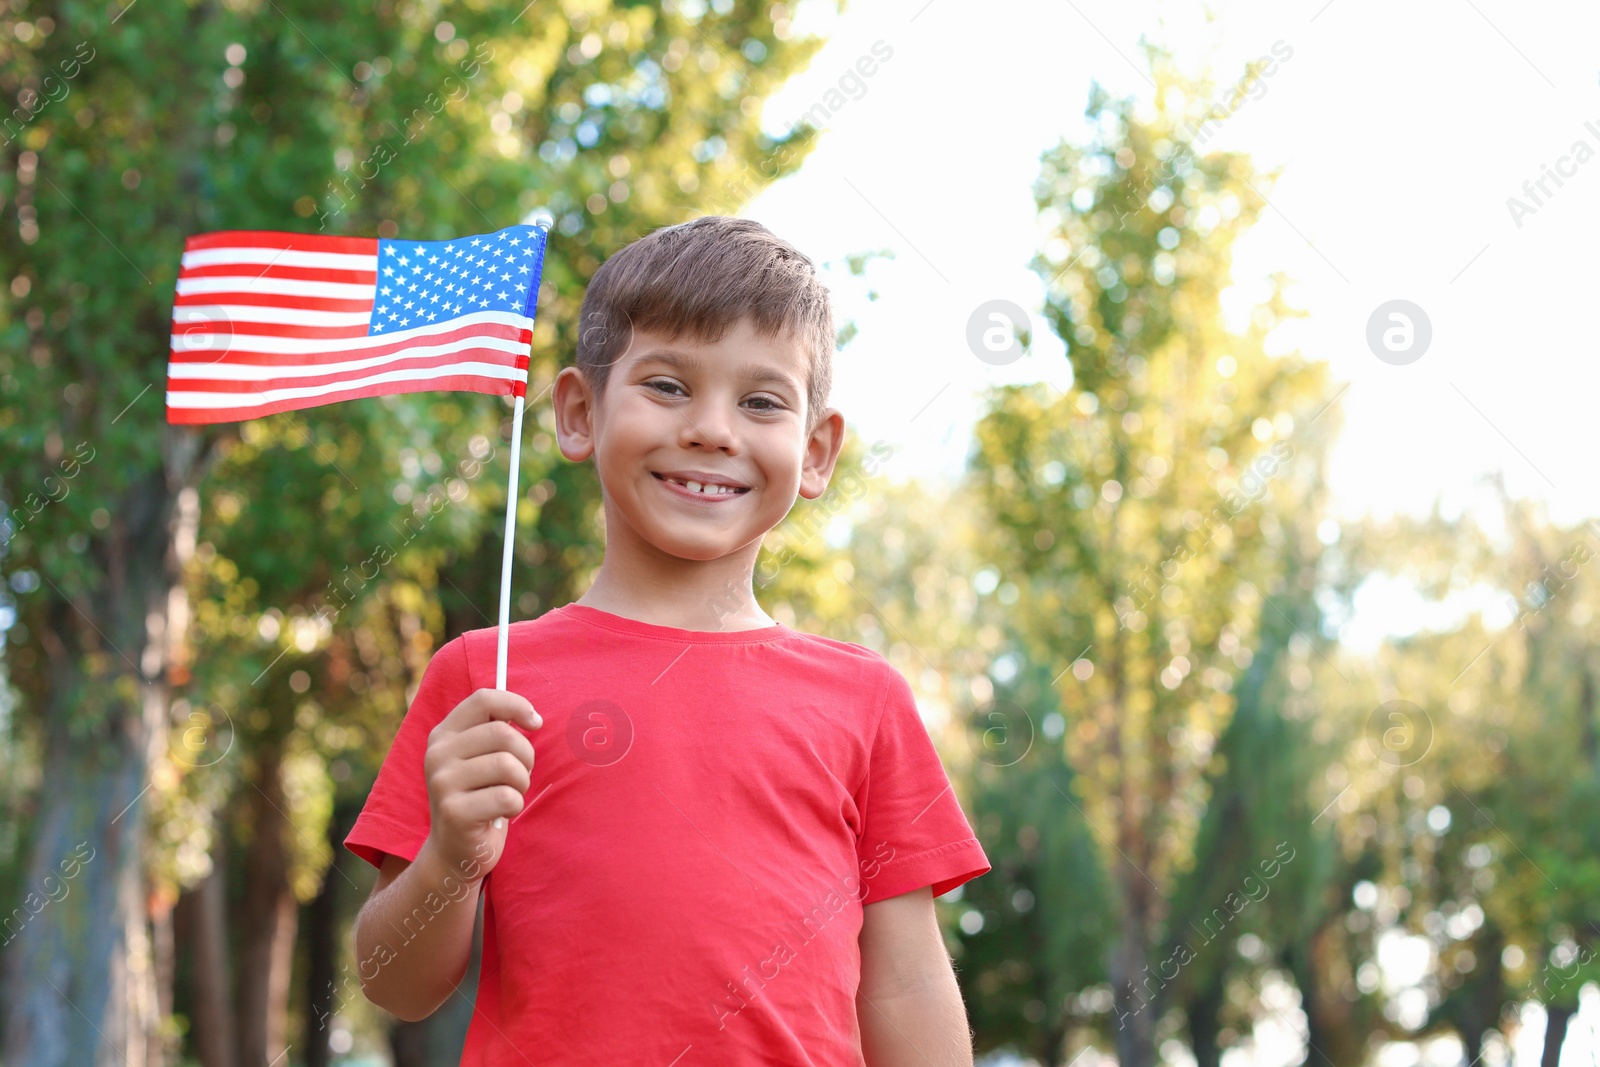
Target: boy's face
[[731, 413]]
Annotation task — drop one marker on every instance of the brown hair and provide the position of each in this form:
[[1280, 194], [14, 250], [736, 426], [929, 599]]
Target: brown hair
[[698, 279]]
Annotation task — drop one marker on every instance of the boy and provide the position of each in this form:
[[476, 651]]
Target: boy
[[717, 840]]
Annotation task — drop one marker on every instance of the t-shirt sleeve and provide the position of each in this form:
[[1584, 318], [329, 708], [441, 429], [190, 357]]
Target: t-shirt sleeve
[[395, 817], [913, 831]]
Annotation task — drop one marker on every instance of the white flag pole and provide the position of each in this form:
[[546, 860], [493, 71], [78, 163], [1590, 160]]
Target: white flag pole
[[505, 559], [511, 516]]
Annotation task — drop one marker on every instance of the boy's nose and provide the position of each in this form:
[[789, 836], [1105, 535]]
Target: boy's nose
[[708, 426]]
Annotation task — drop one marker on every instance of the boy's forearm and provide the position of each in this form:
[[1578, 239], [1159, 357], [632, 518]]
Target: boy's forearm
[[413, 938], [922, 1027]]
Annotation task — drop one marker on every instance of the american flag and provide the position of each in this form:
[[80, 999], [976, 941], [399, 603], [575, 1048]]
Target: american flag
[[266, 322]]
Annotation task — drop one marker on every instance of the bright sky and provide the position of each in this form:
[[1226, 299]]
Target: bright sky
[[1402, 130]]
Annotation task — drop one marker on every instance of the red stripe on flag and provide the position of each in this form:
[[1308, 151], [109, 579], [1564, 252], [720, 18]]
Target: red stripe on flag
[[276, 270], [268, 329], [464, 383], [299, 242]]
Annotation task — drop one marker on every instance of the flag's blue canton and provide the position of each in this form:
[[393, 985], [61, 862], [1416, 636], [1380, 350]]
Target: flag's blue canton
[[422, 282]]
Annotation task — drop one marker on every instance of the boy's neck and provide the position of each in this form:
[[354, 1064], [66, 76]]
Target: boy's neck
[[708, 595]]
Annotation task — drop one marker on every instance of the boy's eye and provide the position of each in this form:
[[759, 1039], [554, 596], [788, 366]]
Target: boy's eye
[[666, 387]]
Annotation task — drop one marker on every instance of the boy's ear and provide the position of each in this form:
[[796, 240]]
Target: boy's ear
[[822, 452], [574, 408]]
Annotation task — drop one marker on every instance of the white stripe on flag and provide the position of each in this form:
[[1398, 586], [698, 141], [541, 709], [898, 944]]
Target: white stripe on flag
[[275, 286], [281, 257], [257, 372], [244, 400], [194, 315]]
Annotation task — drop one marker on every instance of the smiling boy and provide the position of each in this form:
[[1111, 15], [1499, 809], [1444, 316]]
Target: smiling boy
[[718, 839]]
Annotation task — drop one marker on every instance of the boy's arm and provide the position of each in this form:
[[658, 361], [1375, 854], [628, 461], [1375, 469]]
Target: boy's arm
[[411, 959], [414, 935], [908, 1003]]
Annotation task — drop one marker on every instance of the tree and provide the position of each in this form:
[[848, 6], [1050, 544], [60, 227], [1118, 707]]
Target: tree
[[1493, 837], [1146, 519]]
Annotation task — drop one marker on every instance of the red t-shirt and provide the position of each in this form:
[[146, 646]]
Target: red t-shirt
[[709, 813]]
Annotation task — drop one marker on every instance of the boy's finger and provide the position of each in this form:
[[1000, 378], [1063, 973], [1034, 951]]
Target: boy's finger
[[487, 704], [486, 737], [491, 769], [491, 803]]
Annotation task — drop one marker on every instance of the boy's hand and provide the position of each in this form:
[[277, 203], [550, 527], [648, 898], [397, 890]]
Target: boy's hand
[[478, 766]]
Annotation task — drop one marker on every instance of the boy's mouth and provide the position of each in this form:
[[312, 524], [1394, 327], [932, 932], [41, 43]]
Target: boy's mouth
[[702, 484]]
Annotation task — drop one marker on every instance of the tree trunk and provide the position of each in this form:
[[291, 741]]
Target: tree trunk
[[80, 985], [1049, 1039], [163, 1042], [1557, 1016], [267, 919], [1133, 1003], [80, 989], [1484, 995], [1134, 988], [1336, 1033], [1135, 1007], [1471, 1044], [322, 950], [1205, 1023], [203, 929], [1588, 726]]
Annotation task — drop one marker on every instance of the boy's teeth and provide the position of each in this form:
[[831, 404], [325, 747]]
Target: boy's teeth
[[699, 487]]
